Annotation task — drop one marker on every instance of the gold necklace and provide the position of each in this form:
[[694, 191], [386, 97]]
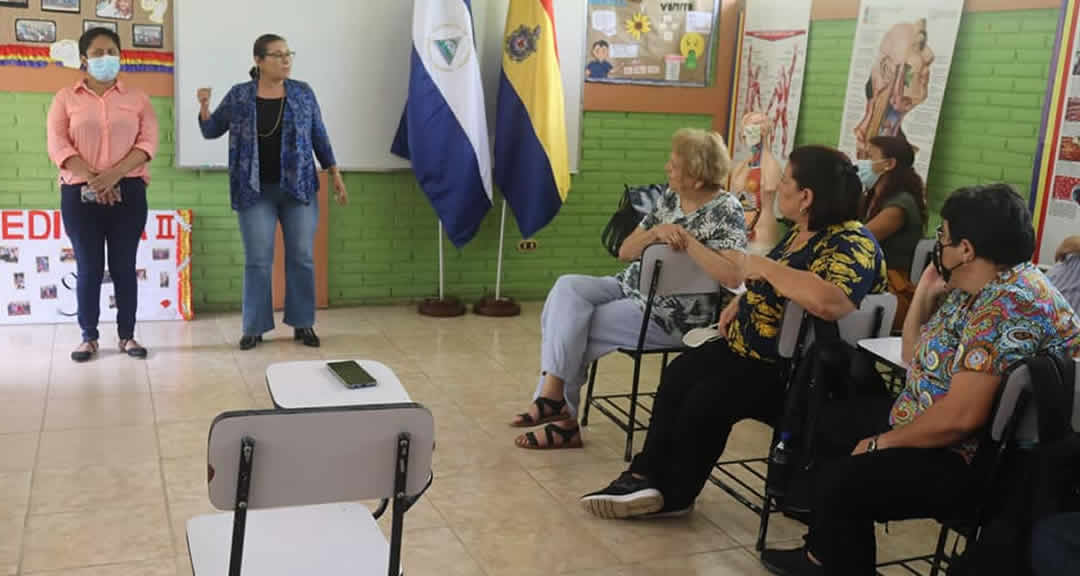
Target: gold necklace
[[281, 112]]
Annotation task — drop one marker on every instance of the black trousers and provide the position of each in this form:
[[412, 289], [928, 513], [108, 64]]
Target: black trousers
[[91, 227], [853, 492], [703, 394]]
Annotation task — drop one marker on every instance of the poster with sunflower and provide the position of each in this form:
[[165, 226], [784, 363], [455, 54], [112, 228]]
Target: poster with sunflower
[[651, 41]]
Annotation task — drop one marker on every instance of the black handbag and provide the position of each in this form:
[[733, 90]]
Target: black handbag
[[633, 206]]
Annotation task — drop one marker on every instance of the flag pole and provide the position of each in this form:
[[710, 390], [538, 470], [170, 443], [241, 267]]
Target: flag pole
[[498, 306], [441, 307]]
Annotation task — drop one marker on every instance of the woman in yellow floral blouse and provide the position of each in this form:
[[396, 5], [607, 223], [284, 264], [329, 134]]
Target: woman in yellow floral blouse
[[826, 263]]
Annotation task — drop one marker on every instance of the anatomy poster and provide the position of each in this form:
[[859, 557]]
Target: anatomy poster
[[899, 66], [1055, 195], [650, 41], [772, 56], [38, 273]]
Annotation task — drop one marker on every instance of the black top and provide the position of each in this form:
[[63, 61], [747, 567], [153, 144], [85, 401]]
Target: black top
[[270, 115]]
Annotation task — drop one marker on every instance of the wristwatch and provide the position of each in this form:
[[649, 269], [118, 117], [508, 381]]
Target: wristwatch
[[872, 446]]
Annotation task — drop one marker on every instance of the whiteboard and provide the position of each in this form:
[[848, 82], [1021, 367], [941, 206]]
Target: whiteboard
[[355, 55]]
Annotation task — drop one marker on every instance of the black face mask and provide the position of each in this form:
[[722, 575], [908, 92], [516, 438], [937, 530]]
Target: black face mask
[[945, 273]]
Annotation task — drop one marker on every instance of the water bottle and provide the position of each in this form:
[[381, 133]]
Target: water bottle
[[779, 459]]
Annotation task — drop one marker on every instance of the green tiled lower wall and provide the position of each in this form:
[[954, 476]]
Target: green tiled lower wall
[[383, 244]]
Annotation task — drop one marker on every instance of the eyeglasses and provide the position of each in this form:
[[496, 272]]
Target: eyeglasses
[[941, 236], [281, 55]]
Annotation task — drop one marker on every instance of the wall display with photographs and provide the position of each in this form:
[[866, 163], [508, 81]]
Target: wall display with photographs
[[147, 36], [38, 274], [91, 24], [36, 31], [1055, 184], [60, 6], [650, 41], [115, 9], [41, 33]]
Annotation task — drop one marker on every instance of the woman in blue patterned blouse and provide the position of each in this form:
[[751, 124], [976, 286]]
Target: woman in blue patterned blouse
[[274, 125]]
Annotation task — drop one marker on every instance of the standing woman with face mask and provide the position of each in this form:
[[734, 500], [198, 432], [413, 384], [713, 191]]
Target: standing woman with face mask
[[274, 125], [894, 209], [102, 135]]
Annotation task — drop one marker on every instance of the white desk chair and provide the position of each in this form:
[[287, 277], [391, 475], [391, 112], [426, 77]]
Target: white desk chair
[[921, 259], [292, 479], [664, 272]]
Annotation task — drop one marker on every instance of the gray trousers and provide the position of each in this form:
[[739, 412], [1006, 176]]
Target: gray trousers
[[584, 318]]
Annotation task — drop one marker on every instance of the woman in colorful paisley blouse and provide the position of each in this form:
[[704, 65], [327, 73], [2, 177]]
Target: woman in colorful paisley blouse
[[981, 308], [826, 263]]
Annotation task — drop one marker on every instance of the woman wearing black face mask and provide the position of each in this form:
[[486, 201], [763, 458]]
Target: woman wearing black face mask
[[894, 209]]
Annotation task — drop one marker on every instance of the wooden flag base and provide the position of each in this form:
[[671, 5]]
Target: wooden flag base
[[496, 308], [441, 308]]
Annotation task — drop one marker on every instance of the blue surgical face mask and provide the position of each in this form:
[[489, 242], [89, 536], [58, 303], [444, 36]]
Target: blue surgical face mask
[[103, 68], [867, 174]]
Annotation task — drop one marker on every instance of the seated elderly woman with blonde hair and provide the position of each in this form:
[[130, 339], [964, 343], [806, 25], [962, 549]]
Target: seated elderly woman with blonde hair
[[586, 317]]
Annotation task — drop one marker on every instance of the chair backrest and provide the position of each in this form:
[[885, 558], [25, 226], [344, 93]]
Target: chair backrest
[[872, 319], [921, 259], [679, 273], [1027, 428], [319, 455]]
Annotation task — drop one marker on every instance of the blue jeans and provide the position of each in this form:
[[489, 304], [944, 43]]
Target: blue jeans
[[91, 227], [258, 224]]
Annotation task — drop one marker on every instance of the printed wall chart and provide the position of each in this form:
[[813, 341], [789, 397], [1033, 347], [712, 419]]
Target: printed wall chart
[[1055, 194], [899, 67]]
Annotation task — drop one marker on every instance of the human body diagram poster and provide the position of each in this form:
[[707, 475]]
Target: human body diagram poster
[[899, 67], [772, 57], [38, 271], [1055, 195], [650, 41]]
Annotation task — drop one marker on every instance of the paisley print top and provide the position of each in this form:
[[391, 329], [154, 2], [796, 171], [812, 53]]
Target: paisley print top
[[717, 224], [303, 133], [1017, 315]]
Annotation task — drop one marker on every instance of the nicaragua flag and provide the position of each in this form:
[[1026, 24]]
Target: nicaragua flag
[[443, 129], [531, 166]]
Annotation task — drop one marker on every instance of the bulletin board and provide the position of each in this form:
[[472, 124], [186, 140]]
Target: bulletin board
[[650, 41], [45, 33]]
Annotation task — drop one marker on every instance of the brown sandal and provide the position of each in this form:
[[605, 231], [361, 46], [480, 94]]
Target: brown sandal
[[549, 411], [85, 351], [571, 438]]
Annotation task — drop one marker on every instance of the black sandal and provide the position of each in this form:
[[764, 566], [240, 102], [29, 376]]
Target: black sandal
[[550, 431], [554, 413], [132, 348]]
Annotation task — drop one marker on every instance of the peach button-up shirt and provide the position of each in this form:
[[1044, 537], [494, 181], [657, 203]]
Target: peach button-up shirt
[[102, 129]]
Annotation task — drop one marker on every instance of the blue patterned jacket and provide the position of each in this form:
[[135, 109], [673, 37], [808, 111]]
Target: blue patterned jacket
[[302, 132]]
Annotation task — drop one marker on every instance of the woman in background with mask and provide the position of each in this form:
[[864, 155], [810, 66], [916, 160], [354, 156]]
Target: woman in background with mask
[[894, 209], [102, 135]]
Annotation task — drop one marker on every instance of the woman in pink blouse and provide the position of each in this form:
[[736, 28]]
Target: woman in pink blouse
[[102, 135]]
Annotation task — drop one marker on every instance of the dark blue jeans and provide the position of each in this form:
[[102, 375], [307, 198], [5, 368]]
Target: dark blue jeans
[[1055, 546], [91, 227]]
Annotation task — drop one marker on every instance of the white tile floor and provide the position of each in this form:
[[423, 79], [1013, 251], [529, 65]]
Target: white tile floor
[[102, 464]]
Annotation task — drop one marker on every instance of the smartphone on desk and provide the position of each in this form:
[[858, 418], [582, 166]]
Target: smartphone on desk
[[351, 374]]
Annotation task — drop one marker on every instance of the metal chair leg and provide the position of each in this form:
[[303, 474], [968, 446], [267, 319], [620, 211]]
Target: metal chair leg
[[633, 410], [763, 524], [939, 552], [588, 392]]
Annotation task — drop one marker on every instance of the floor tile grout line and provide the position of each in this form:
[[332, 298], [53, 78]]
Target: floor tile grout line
[[21, 556]]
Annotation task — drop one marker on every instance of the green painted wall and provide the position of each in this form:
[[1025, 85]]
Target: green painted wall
[[383, 244]]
